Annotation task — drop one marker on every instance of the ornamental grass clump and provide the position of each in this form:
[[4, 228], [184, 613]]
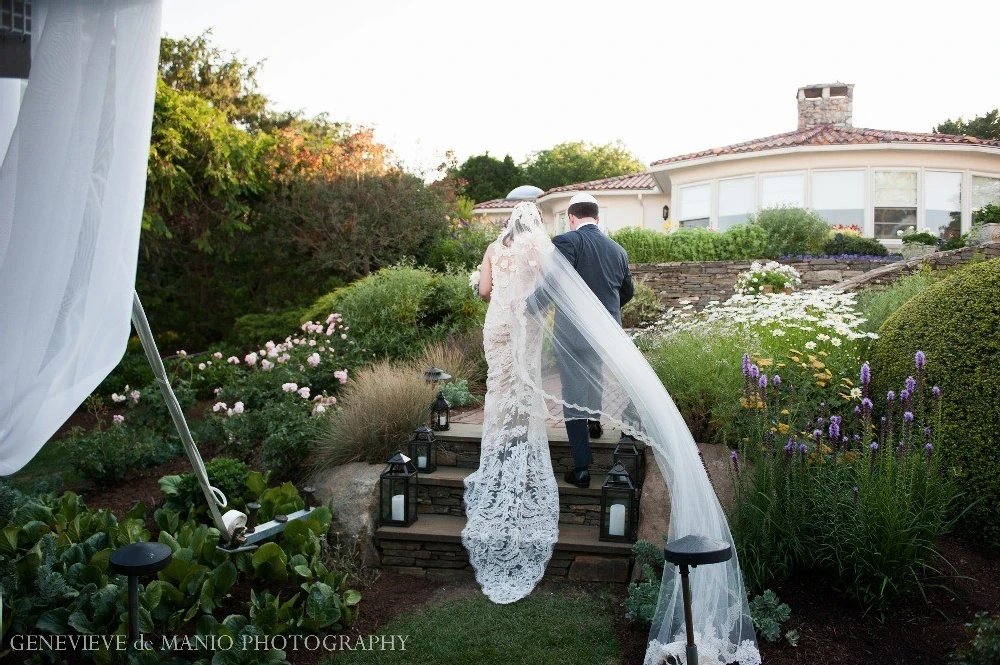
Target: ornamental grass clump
[[856, 497]]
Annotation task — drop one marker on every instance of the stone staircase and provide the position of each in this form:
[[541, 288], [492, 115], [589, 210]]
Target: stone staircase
[[432, 547]]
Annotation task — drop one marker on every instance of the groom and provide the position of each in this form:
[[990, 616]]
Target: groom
[[603, 265]]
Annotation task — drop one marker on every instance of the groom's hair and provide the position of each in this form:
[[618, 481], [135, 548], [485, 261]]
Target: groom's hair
[[583, 209]]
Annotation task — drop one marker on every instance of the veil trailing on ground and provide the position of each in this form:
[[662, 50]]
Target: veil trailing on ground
[[562, 329]]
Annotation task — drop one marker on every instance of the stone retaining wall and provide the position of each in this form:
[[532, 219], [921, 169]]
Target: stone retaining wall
[[699, 282], [573, 508], [936, 261]]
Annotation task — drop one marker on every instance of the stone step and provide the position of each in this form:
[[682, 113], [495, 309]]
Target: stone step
[[432, 547], [442, 493], [460, 446]]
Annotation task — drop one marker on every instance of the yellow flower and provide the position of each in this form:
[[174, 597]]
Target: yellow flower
[[821, 384], [781, 364], [824, 354], [848, 382], [784, 412], [843, 396], [798, 353], [817, 365], [795, 359], [766, 362], [782, 428]]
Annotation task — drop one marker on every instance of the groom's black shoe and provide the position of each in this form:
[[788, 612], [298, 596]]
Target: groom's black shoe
[[578, 478], [595, 429]]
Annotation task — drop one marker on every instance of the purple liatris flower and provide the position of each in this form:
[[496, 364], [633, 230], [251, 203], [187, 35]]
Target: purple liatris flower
[[874, 447], [762, 384], [754, 372], [920, 360], [866, 374], [817, 434], [857, 410], [736, 462], [904, 396], [866, 405], [803, 448], [819, 421], [908, 418], [776, 381], [936, 392], [834, 431], [927, 433], [855, 491], [746, 364], [928, 448], [911, 384], [890, 397]]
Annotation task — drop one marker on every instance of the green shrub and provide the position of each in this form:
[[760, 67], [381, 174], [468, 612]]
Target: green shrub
[[643, 245], [394, 312], [694, 245], [278, 436], [988, 214], [955, 323], [251, 330], [742, 242], [111, 455], [791, 231], [643, 309], [848, 243], [644, 595], [463, 247], [457, 392], [984, 648], [767, 614], [922, 238], [225, 473]]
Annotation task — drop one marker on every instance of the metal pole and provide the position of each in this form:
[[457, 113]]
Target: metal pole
[[133, 610], [153, 356], [692, 648]]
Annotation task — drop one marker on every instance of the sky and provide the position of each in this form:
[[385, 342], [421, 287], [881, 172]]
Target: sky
[[664, 78]]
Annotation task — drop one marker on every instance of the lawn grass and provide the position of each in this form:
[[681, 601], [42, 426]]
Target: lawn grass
[[538, 630]]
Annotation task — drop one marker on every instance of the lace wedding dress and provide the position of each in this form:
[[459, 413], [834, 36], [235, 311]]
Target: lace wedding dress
[[512, 500]]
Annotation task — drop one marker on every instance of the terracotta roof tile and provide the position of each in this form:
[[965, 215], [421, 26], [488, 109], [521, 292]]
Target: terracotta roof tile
[[628, 181], [496, 203], [830, 135]]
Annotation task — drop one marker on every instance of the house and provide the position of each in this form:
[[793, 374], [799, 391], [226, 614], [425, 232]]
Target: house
[[883, 181]]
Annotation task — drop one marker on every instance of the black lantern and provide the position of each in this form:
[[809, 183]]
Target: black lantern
[[398, 492], [618, 507], [627, 454], [423, 449], [440, 413], [666, 213]]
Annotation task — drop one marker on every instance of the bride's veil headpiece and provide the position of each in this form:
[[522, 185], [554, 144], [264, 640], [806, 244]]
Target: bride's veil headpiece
[[561, 329]]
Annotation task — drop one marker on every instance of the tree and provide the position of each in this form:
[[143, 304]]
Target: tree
[[193, 64], [570, 163], [983, 127], [483, 177]]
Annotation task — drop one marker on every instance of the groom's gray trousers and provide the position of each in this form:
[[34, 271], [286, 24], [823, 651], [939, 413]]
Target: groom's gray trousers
[[578, 387]]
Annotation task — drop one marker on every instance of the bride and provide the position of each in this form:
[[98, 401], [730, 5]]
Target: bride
[[512, 500]]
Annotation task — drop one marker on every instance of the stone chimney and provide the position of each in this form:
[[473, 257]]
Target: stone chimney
[[826, 104]]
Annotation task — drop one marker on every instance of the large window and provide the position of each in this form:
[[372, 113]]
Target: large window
[[562, 223], [839, 197], [943, 203], [785, 189], [737, 198], [895, 203], [696, 206], [984, 190]]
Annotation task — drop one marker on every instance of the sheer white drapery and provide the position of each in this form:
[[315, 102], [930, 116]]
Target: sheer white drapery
[[72, 185], [562, 329]]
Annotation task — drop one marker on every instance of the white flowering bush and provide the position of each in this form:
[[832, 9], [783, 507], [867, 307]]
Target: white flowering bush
[[810, 339], [779, 277]]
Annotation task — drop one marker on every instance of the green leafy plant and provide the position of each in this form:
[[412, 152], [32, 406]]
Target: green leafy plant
[[643, 309], [225, 473], [848, 243], [643, 596], [457, 392], [984, 645], [791, 231], [768, 614], [922, 238]]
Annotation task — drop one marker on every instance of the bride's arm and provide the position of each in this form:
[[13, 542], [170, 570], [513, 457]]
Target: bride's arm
[[486, 275]]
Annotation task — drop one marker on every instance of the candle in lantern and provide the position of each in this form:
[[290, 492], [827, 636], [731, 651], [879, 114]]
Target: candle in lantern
[[421, 461], [442, 419], [617, 525], [397, 508]]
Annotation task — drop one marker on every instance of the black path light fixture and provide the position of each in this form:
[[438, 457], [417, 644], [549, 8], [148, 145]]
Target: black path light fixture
[[422, 447], [691, 551], [135, 560], [666, 213], [398, 492], [618, 507]]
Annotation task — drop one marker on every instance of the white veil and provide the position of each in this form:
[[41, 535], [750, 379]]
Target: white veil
[[620, 388]]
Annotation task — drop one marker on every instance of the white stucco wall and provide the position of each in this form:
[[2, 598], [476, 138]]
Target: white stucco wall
[[619, 209]]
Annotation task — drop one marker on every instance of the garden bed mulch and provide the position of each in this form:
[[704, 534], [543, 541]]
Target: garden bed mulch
[[833, 632]]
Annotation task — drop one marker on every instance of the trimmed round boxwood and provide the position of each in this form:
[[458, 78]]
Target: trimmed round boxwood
[[956, 324]]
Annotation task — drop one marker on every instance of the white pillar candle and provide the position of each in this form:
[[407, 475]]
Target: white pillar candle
[[397, 508], [617, 525], [442, 419], [421, 461]]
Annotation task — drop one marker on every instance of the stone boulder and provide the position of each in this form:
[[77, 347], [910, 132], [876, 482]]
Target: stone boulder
[[351, 491]]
